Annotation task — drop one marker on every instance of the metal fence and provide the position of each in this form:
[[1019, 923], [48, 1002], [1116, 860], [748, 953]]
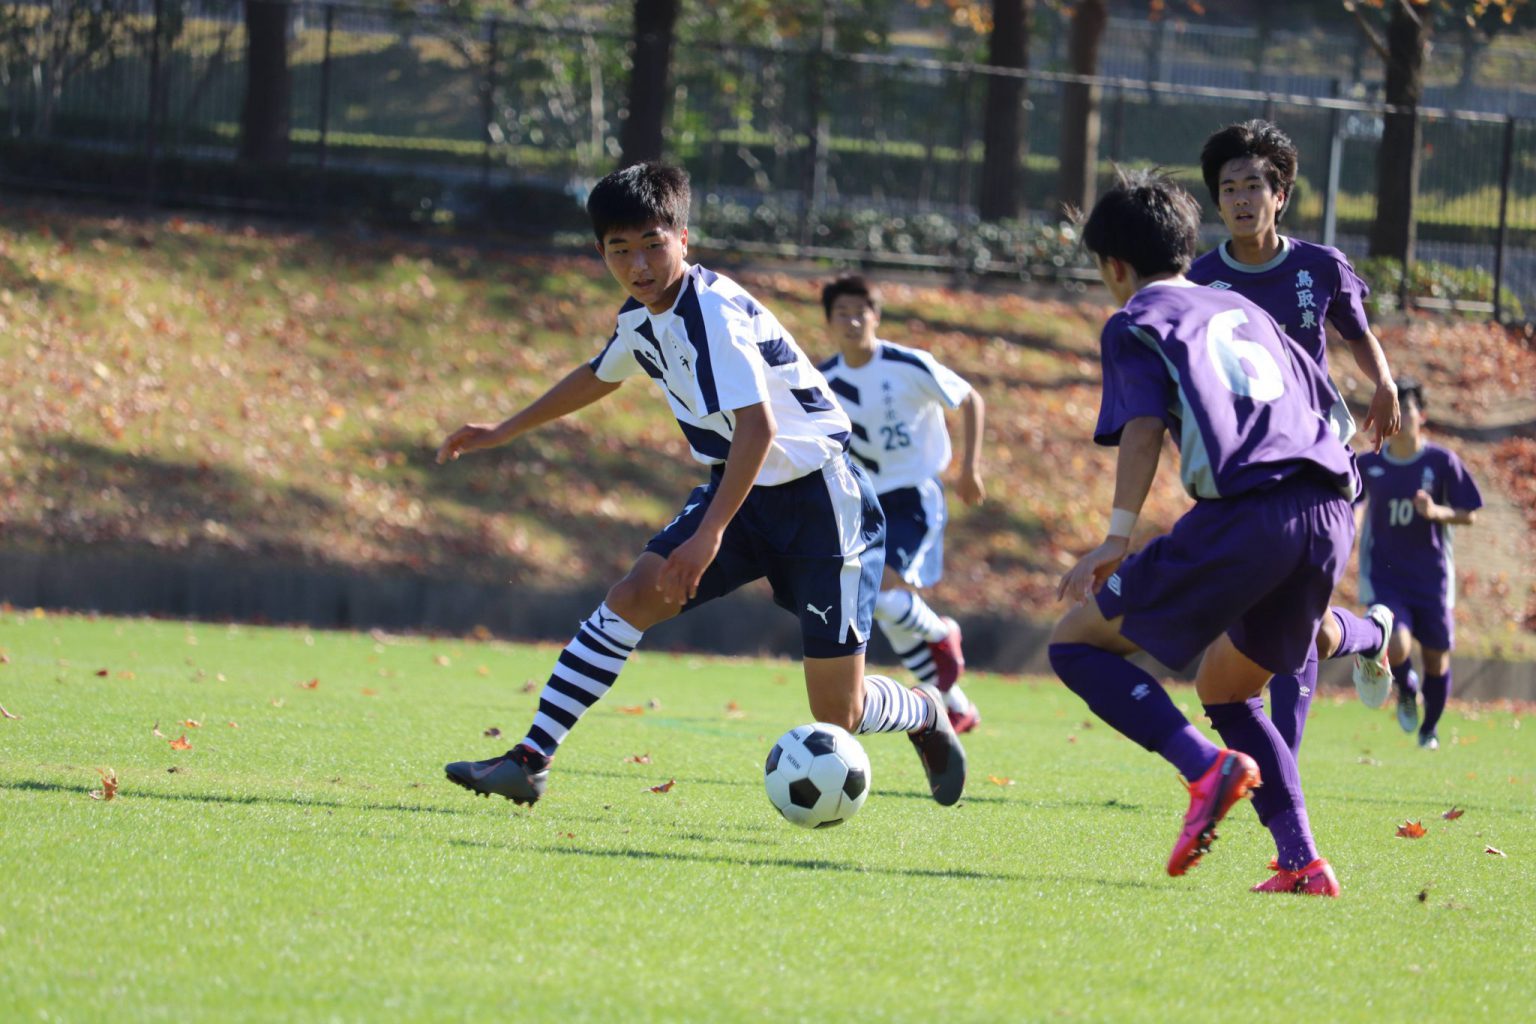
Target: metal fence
[[883, 148]]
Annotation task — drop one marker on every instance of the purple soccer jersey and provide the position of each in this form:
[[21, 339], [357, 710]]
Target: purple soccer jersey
[[1402, 553], [1302, 287], [1245, 405]]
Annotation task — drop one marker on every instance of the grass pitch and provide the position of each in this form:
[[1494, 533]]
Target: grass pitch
[[305, 859]]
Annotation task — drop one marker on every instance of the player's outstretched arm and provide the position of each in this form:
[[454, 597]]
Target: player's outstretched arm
[[970, 488], [1384, 417], [579, 389], [1141, 447], [750, 442]]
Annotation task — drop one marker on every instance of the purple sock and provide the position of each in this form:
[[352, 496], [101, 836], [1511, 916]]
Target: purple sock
[[1357, 634], [1290, 697], [1437, 690], [1403, 673], [1279, 803], [1132, 702]]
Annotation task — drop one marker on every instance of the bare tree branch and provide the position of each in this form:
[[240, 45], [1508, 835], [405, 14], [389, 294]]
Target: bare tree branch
[[1371, 35]]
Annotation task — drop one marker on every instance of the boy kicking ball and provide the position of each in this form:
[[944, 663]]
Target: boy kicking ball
[[1246, 574], [783, 500]]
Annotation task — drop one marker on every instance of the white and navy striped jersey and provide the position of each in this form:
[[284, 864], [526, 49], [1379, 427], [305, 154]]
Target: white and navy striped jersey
[[717, 350], [896, 403]]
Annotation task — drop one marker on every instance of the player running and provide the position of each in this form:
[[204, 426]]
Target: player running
[[783, 501], [1250, 171], [1246, 574], [896, 398], [1415, 492]]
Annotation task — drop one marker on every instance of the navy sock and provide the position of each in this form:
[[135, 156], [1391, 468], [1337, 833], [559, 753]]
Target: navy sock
[[1290, 698], [1437, 690], [1129, 700], [1357, 634], [1403, 673], [1279, 803]]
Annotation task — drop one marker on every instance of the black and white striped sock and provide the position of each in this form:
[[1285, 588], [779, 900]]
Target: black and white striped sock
[[891, 707], [584, 672], [918, 659]]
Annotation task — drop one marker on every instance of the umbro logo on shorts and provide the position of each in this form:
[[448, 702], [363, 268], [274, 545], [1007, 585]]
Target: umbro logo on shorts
[[1113, 583]]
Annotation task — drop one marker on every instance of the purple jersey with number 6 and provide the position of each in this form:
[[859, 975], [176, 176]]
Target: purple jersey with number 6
[[1302, 287], [1401, 552], [1243, 401]]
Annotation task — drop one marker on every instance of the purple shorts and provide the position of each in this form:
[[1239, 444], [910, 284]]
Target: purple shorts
[[1259, 567], [1429, 621]]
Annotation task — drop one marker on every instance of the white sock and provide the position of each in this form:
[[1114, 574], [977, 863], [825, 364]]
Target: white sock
[[891, 707]]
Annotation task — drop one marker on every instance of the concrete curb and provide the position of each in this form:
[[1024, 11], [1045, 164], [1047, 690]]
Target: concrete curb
[[746, 623]]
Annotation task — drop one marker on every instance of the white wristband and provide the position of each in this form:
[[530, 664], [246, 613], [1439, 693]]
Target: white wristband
[[1121, 523]]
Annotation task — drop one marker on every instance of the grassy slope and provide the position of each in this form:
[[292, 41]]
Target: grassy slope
[[186, 386], [312, 864]]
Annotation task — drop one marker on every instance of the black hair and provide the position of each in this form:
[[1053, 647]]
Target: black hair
[[640, 194], [849, 284], [1146, 220], [1410, 386], [1260, 139]]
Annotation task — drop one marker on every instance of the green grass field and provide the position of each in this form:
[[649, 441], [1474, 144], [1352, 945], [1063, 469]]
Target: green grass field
[[305, 860]]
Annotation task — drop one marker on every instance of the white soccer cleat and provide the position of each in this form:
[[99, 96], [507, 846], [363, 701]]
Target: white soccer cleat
[[1373, 674]]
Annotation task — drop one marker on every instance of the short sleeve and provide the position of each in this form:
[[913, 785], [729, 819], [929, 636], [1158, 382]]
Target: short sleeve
[[1136, 382], [1346, 309], [616, 361], [941, 383], [1460, 489]]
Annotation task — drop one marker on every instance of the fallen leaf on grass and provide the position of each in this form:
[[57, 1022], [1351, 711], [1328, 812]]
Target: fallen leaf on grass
[[733, 710], [1453, 814], [181, 743], [638, 759], [234, 725], [530, 686], [108, 790], [665, 787], [443, 660], [367, 692], [154, 730], [277, 702], [6, 714], [191, 723], [653, 704], [1367, 760], [125, 674], [632, 709], [483, 670], [173, 769], [1410, 830], [1000, 780], [313, 684], [1495, 851], [103, 673], [492, 732]]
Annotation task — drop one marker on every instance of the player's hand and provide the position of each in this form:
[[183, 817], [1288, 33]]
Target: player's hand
[[466, 439], [1384, 417], [678, 580], [970, 489], [1086, 577], [1425, 506]]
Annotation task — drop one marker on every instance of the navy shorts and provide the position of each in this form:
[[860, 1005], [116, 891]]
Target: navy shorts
[[1429, 621], [914, 532], [1260, 567], [818, 540]]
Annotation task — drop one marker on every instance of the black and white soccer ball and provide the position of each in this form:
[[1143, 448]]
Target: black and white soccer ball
[[817, 775]]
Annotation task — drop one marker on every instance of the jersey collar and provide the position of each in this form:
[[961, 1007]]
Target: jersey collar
[[1256, 268]]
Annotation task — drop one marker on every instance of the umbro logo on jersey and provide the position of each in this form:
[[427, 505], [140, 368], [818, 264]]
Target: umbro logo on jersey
[[1219, 284], [1113, 583], [1376, 471], [819, 612]]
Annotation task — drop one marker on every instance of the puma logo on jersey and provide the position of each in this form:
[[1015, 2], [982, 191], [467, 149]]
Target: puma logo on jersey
[[819, 612]]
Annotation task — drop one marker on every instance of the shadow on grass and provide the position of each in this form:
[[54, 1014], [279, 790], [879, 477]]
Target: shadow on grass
[[816, 864], [248, 799]]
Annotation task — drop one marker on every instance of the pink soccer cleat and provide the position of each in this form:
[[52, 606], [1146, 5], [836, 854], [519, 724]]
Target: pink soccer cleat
[[1316, 879], [1229, 778]]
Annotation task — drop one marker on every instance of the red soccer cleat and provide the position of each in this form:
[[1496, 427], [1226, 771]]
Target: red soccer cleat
[[948, 658], [1229, 778], [1316, 879], [965, 721]]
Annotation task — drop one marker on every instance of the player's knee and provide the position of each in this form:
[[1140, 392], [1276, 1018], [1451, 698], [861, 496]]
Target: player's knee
[[1400, 646], [1329, 636], [838, 710]]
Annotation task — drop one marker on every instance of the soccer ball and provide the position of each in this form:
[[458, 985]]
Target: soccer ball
[[817, 775]]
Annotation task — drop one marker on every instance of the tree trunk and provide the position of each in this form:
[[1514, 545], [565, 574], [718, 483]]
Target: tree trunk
[[1397, 159], [264, 119], [640, 138], [1077, 180], [1003, 114]]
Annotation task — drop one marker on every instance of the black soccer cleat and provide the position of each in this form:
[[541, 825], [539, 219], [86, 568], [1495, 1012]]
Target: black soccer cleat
[[520, 775], [941, 753]]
